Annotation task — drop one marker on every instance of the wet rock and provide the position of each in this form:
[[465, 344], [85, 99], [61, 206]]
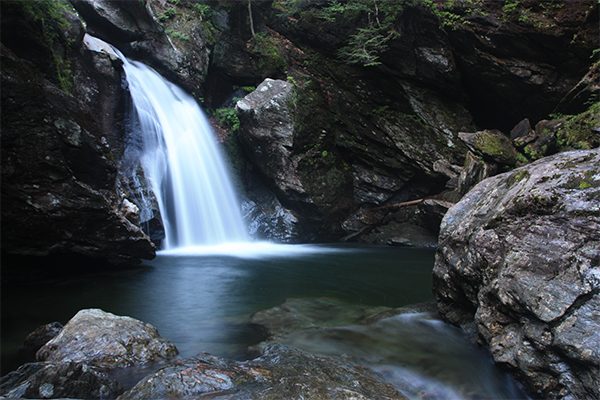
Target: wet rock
[[267, 218], [519, 256], [42, 335], [280, 373], [298, 314], [105, 340], [58, 379], [57, 168]]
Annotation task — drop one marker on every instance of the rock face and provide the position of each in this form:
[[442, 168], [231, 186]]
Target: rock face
[[105, 340], [59, 379], [281, 373], [519, 257], [58, 175]]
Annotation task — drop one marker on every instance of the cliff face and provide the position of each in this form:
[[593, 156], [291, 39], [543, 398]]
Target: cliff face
[[60, 142]]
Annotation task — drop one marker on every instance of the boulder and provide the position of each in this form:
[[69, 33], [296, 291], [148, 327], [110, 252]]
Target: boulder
[[58, 379], [281, 373], [492, 145], [518, 262], [42, 335], [106, 340], [267, 134]]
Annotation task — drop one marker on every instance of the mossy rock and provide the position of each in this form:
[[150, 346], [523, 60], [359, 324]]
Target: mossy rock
[[493, 145]]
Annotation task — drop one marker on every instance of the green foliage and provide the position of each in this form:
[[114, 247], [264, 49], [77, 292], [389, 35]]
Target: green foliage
[[51, 15], [378, 19], [269, 56], [168, 14], [178, 35], [228, 116], [577, 131], [204, 10]]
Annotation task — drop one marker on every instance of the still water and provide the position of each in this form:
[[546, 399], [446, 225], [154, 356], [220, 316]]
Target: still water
[[201, 303]]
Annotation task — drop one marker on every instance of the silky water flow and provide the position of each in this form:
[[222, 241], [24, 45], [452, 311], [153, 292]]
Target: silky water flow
[[183, 164]]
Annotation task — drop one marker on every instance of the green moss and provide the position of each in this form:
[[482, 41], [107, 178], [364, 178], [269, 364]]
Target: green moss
[[517, 177], [577, 131], [51, 15]]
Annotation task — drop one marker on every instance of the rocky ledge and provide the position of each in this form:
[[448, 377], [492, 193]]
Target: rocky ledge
[[518, 263]]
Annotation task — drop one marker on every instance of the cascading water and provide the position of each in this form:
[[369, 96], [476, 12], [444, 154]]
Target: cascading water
[[183, 164]]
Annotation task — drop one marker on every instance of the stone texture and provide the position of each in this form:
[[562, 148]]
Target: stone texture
[[518, 256], [268, 133], [58, 379], [42, 335], [492, 145], [59, 175], [106, 340], [281, 373]]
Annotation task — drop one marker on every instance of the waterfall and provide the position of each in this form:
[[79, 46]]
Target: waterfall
[[182, 162]]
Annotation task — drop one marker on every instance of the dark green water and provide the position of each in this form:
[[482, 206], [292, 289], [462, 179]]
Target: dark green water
[[199, 303]]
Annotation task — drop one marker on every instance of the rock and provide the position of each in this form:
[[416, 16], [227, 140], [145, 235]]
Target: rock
[[518, 256], [281, 373], [58, 168], [58, 379], [522, 62], [522, 129], [298, 314], [42, 335], [267, 133], [105, 340], [266, 218], [492, 145], [114, 20], [474, 171]]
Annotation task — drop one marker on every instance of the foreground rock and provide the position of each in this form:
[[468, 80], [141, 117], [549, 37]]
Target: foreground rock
[[60, 379], [281, 373], [518, 258], [106, 340]]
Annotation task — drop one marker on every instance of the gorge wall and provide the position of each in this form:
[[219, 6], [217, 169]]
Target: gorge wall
[[365, 133]]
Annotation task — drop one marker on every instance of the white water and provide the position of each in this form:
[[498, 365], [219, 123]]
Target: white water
[[182, 162]]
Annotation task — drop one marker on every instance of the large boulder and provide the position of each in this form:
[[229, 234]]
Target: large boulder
[[281, 373], [518, 261], [106, 340]]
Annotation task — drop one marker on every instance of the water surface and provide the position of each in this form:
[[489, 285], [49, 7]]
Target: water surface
[[202, 303]]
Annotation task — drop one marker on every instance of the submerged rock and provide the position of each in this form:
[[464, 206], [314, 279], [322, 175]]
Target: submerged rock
[[58, 379], [519, 258], [281, 373], [106, 340]]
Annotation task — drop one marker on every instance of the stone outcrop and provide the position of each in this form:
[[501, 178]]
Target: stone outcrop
[[518, 261], [280, 373], [58, 175], [105, 340], [58, 379], [139, 30]]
